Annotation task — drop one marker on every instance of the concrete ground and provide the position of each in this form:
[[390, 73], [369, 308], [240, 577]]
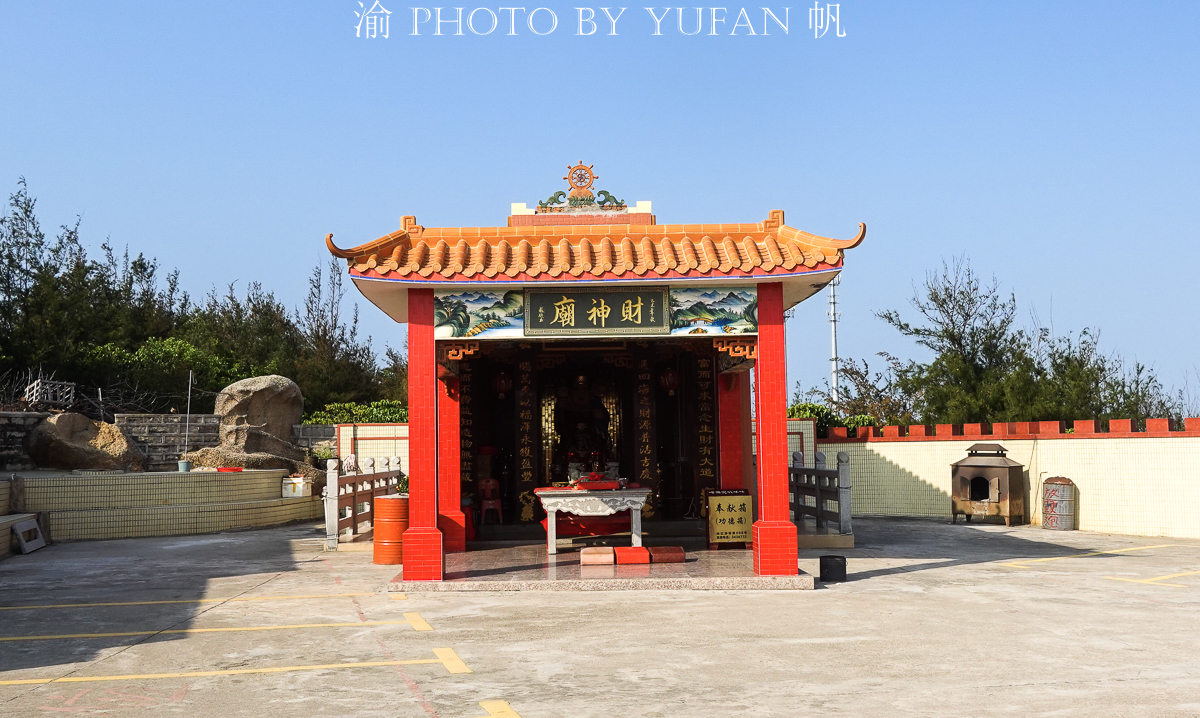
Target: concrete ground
[[936, 620]]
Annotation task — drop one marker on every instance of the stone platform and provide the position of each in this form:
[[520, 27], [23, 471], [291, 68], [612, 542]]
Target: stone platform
[[529, 568]]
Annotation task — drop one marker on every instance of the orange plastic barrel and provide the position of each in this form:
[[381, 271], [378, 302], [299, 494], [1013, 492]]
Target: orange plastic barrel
[[390, 523]]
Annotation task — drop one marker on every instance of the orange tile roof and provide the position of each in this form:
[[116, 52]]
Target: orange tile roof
[[627, 251]]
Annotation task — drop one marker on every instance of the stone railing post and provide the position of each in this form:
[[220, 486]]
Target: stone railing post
[[818, 484], [331, 504], [795, 484], [843, 465]]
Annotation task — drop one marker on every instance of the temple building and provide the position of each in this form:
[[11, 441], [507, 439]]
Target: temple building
[[584, 338]]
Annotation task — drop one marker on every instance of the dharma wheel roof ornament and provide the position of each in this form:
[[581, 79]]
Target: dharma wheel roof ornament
[[580, 178]]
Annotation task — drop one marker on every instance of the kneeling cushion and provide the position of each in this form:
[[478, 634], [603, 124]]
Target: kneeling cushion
[[596, 556], [631, 554], [667, 554]]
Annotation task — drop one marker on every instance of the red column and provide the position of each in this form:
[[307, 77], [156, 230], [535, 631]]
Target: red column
[[451, 520], [729, 411], [774, 534], [423, 557]]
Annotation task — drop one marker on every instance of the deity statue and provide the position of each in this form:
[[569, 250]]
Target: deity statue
[[581, 420]]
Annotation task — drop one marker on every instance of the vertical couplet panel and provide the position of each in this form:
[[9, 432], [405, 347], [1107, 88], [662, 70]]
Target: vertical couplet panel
[[423, 557], [466, 422], [774, 534], [706, 425], [528, 437], [645, 434]]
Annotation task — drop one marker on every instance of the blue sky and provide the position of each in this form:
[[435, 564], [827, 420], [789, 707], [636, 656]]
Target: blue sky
[[1055, 144]]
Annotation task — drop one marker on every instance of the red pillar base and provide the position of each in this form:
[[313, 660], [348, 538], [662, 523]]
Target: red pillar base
[[774, 548], [423, 557], [453, 525]]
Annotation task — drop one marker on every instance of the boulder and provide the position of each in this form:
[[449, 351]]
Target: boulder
[[257, 416], [73, 441], [268, 405]]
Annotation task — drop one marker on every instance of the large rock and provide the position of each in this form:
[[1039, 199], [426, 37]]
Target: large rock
[[257, 416], [73, 441]]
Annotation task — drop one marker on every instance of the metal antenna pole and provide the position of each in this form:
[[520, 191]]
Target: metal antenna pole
[[833, 320], [187, 420]]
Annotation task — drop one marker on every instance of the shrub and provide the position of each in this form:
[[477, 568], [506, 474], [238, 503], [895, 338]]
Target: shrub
[[826, 418], [384, 411], [854, 422]]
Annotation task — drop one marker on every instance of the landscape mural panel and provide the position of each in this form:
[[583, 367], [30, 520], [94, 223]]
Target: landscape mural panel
[[480, 314], [714, 310]]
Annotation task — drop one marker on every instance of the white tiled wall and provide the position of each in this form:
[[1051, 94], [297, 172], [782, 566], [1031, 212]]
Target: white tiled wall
[[374, 441], [1138, 486]]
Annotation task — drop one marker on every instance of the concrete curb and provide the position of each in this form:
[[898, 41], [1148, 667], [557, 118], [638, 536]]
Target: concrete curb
[[803, 582]]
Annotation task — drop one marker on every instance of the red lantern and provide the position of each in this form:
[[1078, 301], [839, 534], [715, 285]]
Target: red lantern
[[502, 384], [669, 380]]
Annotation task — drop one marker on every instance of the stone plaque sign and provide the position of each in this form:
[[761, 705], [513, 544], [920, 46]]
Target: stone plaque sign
[[729, 516], [596, 312]]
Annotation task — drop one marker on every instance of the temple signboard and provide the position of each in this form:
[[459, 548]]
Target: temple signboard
[[637, 311], [596, 312]]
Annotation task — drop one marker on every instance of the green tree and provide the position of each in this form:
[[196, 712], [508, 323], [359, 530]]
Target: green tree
[[394, 375], [986, 369], [334, 365]]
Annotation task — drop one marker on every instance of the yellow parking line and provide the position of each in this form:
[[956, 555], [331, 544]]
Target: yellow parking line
[[1155, 581], [498, 709], [418, 624], [451, 660], [1020, 563], [192, 600], [445, 656]]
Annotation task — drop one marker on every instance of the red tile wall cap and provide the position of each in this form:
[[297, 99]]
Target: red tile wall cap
[[599, 251], [1083, 429], [1120, 426]]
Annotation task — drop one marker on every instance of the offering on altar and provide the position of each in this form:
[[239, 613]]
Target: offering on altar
[[595, 481]]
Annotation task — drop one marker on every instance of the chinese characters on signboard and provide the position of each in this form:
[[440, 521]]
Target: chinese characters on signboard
[[466, 422], [706, 453], [647, 454], [729, 516], [527, 429], [596, 311]]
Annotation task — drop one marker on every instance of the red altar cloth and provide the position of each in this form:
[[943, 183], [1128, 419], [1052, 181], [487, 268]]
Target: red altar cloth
[[572, 525]]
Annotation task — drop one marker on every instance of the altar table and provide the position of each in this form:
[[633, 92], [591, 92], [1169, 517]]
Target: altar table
[[588, 502]]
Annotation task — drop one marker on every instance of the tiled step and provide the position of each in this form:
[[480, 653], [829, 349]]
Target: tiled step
[[71, 492], [180, 520]]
